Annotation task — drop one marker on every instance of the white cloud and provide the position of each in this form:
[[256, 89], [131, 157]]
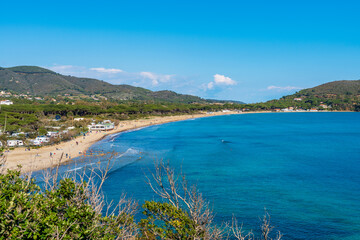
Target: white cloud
[[118, 76], [220, 80], [210, 85], [150, 76], [287, 88], [107, 70], [156, 78]]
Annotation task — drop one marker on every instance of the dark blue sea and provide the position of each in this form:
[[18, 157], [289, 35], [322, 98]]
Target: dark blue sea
[[304, 168]]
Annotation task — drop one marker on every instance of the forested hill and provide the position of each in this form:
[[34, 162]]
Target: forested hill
[[338, 88], [337, 95], [39, 81]]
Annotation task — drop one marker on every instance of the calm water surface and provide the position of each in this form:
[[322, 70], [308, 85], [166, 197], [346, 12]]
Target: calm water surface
[[304, 168]]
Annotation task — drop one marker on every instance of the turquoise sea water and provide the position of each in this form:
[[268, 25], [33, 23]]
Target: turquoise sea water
[[304, 168]]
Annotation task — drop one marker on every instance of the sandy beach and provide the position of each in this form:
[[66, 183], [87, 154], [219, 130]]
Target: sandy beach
[[49, 156]]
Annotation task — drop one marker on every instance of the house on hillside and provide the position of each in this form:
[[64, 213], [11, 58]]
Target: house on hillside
[[5, 94], [6, 102], [289, 109], [324, 106]]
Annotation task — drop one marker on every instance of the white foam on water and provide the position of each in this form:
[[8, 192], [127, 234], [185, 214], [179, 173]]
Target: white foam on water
[[74, 169], [129, 151]]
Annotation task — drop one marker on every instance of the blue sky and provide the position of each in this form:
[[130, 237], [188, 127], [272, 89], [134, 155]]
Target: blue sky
[[241, 50]]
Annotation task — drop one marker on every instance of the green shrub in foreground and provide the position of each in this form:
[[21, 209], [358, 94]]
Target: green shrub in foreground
[[62, 213]]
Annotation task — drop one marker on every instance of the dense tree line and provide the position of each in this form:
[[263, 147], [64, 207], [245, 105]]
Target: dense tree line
[[129, 109], [31, 118], [26, 116]]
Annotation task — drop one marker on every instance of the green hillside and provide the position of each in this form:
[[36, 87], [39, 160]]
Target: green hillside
[[30, 69], [39, 81], [338, 95], [338, 88]]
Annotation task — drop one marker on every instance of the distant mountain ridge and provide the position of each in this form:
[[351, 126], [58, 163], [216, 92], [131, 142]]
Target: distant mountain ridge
[[39, 81]]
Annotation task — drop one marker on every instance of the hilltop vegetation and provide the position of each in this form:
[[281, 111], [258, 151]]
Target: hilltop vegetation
[[38, 81], [332, 96], [329, 90], [340, 95], [30, 69]]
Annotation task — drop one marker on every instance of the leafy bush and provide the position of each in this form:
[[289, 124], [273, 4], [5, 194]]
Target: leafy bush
[[166, 221], [63, 212]]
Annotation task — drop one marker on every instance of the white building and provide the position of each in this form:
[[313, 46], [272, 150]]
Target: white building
[[101, 126], [324, 106], [43, 139], [39, 140], [14, 143], [35, 142], [289, 109], [17, 134], [79, 119], [6, 102], [52, 134]]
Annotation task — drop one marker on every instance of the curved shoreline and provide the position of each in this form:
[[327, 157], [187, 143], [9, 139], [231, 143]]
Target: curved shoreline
[[38, 159]]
